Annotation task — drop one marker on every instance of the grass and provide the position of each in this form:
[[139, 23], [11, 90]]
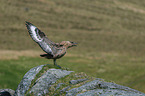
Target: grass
[[110, 34]]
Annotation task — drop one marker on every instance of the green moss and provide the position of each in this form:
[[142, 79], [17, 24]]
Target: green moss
[[42, 71], [65, 80]]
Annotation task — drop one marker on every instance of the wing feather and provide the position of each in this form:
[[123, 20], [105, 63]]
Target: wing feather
[[40, 38]]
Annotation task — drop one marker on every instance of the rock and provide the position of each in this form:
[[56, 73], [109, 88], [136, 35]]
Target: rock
[[102, 88], [77, 81], [6, 92], [47, 79], [38, 80], [108, 92], [65, 89], [50, 81], [26, 81], [58, 85]]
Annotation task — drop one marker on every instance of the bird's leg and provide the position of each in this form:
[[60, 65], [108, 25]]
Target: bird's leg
[[56, 64]]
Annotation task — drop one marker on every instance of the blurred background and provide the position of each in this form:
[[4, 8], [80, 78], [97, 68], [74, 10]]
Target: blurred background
[[110, 36]]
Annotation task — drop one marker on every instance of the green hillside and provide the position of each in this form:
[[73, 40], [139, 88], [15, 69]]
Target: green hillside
[[110, 36]]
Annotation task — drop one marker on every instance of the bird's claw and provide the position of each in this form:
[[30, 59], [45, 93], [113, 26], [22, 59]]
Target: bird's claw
[[57, 66]]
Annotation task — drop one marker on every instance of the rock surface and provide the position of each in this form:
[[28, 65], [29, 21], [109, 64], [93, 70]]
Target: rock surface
[[47, 79], [6, 92], [50, 81], [26, 81]]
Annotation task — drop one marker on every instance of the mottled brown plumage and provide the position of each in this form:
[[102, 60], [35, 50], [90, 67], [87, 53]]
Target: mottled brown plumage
[[53, 50]]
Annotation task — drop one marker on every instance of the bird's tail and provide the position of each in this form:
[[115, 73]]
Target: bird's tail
[[43, 55]]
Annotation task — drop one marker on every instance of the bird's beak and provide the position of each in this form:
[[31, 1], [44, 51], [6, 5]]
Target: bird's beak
[[74, 43]]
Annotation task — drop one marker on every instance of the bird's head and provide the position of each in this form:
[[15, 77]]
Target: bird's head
[[68, 44]]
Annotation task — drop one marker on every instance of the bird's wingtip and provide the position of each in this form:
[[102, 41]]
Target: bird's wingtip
[[28, 23]]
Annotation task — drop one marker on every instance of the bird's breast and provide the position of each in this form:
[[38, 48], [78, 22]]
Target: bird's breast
[[60, 53]]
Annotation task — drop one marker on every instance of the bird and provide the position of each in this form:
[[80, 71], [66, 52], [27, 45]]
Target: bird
[[52, 50]]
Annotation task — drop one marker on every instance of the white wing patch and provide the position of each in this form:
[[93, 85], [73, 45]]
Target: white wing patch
[[45, 47], [48, 48], [34, 34], [41, 41]]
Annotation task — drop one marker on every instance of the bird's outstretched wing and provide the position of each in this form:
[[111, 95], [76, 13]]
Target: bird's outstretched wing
[[40, 38]]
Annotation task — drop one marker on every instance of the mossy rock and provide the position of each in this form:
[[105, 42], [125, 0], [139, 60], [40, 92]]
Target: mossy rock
[[49, 80]]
